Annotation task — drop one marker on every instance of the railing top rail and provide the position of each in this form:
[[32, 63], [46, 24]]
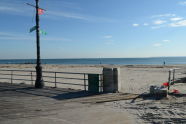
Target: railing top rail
[[69, 72], [174, 69], [47, 71], [17, 70]]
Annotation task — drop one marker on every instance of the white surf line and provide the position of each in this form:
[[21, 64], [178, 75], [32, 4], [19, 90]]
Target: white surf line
[[53, 118]]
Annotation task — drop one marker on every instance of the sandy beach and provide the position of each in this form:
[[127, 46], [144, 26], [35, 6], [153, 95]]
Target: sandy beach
[[135, 79]]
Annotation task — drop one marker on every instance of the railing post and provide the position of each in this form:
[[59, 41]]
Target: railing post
[[32, 79], [55, 81], [169, 79], [173, 75], [85, 87], [101, 82], [11, 77]]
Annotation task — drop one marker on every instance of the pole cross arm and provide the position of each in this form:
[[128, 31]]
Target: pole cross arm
[[34, 6]]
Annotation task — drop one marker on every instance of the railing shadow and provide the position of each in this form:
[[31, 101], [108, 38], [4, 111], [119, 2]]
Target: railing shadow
[[73, 95], [54, 93]]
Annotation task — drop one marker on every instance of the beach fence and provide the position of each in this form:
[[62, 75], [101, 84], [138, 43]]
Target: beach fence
[[176, 76], [80, 81], [129, 80], [107, 81]]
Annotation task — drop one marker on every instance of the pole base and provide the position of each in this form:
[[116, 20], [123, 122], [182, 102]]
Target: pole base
[[39, 84]]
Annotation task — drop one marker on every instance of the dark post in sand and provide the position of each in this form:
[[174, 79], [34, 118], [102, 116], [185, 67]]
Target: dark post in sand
[[39, 83]]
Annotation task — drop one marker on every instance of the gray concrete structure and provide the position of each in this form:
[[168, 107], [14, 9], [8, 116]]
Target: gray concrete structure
[[117, 80], [111, 79]]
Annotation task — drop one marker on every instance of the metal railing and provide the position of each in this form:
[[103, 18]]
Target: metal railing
[[50, 77], [176, 75]]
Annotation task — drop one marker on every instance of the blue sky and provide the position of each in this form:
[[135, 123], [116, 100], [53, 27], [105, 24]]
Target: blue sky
[[94, 28]]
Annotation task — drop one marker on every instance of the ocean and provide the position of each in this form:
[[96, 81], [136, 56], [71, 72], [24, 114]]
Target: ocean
[[112, 61]]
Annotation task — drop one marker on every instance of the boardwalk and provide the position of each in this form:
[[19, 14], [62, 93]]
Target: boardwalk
[[23, 104]]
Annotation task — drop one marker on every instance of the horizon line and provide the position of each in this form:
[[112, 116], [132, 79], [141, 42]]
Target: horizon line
[[97, 58]]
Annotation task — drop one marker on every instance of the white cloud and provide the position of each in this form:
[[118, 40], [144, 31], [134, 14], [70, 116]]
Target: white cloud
[[157, 44], [6, 34], [176, 19], [108, 40], [55, 39], [145, 24], [15, 8], [107, 36], [14, 36], [28, 11], [166, 41], [161, 44], [156, 27], [164, 20], [17, 36], [74, 15], [159, 22], [178, 24], [163, 15], [67, 15], [135, 25], [182, 3], [10, 9], [14, 11]]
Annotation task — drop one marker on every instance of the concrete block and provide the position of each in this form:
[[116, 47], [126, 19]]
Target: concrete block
[[111, 79]]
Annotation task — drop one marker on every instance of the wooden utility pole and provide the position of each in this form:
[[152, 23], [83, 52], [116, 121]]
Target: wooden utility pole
[[39, 83]]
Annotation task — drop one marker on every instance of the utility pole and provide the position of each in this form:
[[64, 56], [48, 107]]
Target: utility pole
[[39, 83]]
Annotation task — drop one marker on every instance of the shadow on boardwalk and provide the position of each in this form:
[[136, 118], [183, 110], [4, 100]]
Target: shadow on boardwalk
[[23, 104], [55, 93]]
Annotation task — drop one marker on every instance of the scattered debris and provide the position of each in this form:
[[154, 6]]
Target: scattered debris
[[175, 91], [166, 84], [158, 91]]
